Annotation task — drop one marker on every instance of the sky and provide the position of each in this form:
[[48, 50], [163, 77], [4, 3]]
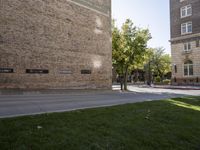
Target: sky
[[151, 14]]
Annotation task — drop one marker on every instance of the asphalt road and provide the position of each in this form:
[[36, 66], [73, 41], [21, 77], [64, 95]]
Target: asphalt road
[[36, 103]]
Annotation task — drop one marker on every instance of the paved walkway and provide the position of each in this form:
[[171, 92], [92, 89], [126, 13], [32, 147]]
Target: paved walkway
[[177, 87], [20, 104], [164, 86]]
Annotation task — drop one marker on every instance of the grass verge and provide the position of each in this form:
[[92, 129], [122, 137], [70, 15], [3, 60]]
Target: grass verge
[[166, 124]]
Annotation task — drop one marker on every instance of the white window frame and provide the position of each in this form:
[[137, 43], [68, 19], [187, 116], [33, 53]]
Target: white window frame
[[187, 47], [186, 26], [187, 10], [188, 70]]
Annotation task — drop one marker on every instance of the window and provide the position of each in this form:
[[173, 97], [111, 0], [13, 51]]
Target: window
[[186, 11], [37, 71], [187, 47], [186, 28], [188, 68], [175, 68], [175, 79], [86, 72], [6, 70], [197, 43]]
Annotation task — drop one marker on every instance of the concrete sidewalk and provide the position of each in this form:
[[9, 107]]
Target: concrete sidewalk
[[177, 87], [142, 85], [163, 86], [115, 88]]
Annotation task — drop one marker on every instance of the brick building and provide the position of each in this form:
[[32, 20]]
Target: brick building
[[55, 44], [185, 41]]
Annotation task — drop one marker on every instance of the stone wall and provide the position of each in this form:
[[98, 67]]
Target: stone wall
[[179, 56], [64, 44]]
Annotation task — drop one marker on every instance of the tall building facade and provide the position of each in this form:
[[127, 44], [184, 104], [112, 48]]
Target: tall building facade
[[55, 44], [185, 41]]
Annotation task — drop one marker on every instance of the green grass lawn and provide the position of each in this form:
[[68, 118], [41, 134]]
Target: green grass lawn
[[158, 125]]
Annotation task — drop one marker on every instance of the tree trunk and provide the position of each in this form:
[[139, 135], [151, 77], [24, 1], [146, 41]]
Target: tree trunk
[[137, 76], [162, 77], [121, 82], [125, 79]]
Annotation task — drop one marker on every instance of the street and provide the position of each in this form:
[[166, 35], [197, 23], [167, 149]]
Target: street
[[36, 103]]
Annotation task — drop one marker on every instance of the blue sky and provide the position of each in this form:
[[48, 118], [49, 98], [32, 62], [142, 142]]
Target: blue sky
[[152, 14]]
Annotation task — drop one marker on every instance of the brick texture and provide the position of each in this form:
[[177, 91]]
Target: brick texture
[[176, 20], [61, 36]]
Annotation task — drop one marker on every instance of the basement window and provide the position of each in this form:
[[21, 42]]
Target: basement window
[[37, 71], [6, 70], [86, 72]]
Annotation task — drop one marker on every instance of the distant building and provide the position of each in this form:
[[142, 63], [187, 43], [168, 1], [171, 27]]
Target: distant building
[[55, 44], [185, 41]]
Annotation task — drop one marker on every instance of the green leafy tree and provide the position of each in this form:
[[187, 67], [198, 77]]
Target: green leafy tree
[[161, 62], [129, 46], [117, 53], [148, 68], [158, 62]]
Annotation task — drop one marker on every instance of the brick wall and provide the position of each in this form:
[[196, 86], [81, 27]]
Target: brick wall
[[70, 39], [176, 20]]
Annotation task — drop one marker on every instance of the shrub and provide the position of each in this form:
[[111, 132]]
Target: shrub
[[158, 79], [167, 81]]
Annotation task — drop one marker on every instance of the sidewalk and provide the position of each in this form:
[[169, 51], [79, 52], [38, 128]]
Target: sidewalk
[[176, 87], [115, 89]]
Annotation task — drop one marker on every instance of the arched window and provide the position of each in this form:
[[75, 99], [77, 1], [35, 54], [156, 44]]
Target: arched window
[[188, 68]]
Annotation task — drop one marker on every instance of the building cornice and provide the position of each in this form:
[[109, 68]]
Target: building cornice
[[185, 37]]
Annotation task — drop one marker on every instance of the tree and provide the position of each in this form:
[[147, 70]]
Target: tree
[[159, 62], [116, 49], [129, 46], [147, 64]]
